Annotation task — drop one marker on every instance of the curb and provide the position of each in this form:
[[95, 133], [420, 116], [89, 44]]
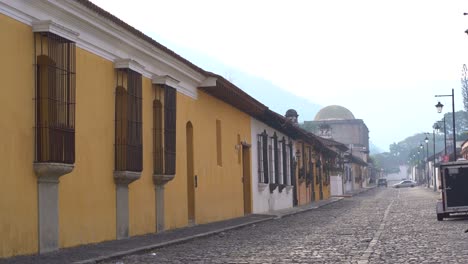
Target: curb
[[167, 243]]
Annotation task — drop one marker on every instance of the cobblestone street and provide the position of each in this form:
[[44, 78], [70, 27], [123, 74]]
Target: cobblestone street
[[383, 225]]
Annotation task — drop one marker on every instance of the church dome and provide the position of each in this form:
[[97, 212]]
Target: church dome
[[334, 112]]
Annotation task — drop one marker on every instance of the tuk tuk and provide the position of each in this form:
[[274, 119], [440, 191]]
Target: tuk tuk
[[454, 189]]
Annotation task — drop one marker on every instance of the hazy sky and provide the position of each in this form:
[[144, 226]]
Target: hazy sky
[[383, 60]]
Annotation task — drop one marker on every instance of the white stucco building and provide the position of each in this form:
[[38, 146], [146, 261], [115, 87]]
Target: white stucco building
[[272, 157]]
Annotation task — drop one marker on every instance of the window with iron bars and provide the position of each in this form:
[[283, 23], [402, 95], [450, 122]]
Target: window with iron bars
[[285, 162], [158, 133], [292, 164], [310, 173], [164, 127], [170, 107], [54, 98], [270, 164], [276, 155], [128, 121], [262, 155]]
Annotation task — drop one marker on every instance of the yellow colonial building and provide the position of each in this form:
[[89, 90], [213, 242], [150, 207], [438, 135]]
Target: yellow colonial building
[[108, 134]]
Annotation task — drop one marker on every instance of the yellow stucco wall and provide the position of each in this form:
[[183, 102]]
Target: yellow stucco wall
[[87, 195], [304, 190], [303, 193], [87, 199], [18, 191], [141, 196], [326, 187], [220, 192]]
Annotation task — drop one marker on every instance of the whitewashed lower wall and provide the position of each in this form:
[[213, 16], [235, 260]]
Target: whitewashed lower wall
[[336, 185], [263, 200]]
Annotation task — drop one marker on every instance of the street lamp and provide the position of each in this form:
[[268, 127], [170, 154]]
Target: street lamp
[[434, 178], [427, 159], [439, 107], [421, 146]]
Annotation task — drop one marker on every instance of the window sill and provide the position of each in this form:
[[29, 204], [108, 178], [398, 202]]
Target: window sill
[[262, 186], [281, 187], [273, 187], [289, 188]]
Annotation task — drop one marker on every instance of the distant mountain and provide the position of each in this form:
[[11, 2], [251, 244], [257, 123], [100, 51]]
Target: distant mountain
[[272, 96]]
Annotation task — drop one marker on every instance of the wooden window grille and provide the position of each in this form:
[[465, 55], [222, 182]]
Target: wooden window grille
[[291, 167], [284, 161], [265, 156], [276, 157], [128, 121], [54, 98], [327, 179], [318, 174], [158, 155], [219, 155], [310, 175], [303, 163], [260, 158], [270, 163], [164, 130], [170, 130]]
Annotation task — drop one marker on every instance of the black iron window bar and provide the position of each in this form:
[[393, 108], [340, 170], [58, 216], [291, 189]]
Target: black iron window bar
[[54, 98], [170, 111], [128, 121]]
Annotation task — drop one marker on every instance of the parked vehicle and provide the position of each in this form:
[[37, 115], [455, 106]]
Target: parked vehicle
[[405, 183], [382, 182], [454, 186]]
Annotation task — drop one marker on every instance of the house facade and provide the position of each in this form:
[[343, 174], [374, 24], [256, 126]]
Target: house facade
[[272, 168], [337, 170], [108, 134]]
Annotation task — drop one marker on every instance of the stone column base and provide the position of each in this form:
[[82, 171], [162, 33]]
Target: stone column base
[[159, 181], [122, 179], [48, 174]]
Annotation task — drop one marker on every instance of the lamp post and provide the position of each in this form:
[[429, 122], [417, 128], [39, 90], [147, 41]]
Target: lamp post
[[419, 166], [434, 178], [423, 178], [427, 159], [439, 107]]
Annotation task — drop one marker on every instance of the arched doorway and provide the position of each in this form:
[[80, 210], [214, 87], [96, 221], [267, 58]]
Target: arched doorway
[[191, 182]]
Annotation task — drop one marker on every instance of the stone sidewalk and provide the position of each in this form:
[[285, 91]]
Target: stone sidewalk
[[93, 253]]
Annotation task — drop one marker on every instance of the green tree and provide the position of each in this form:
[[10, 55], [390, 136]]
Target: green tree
[[464, 83], [461, 123]]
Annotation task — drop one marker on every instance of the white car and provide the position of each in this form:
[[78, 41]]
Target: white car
[[405, 183]]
